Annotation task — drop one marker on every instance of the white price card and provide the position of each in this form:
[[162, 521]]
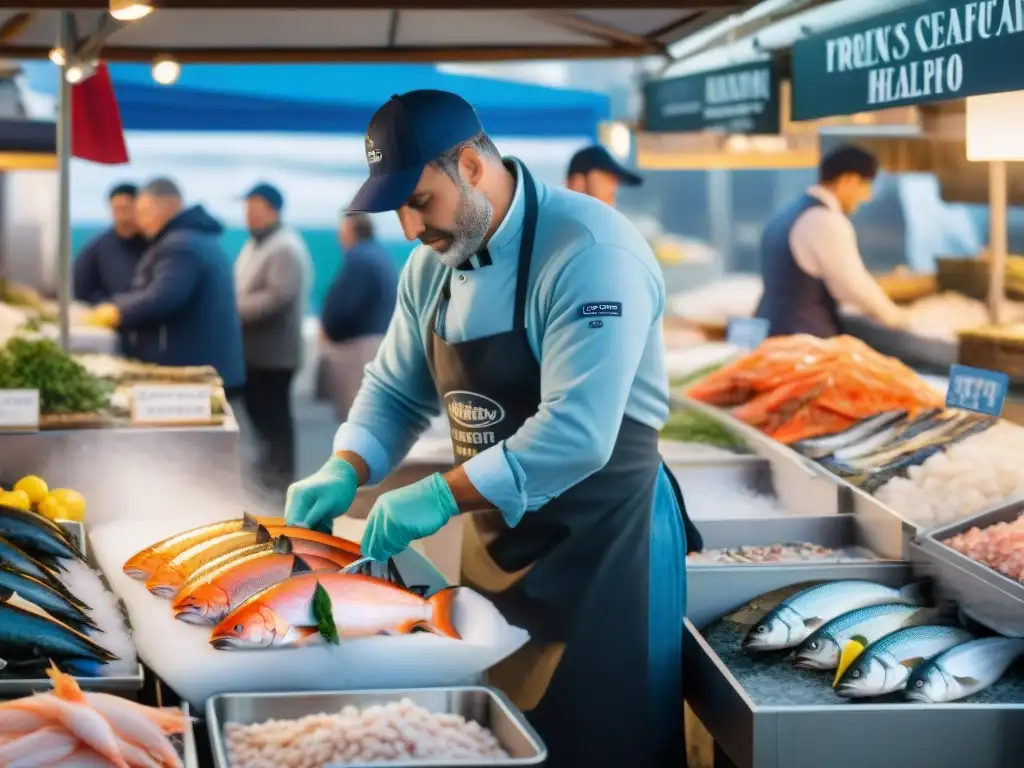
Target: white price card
[[171, 403], [19, 409]]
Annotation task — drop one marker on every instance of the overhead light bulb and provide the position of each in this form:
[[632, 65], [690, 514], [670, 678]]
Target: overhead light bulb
[[75, 74], [619, 140], [166, 70], [57, 56], [130, 10]]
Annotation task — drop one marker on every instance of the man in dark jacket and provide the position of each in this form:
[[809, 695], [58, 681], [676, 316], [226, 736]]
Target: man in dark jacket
[[180, 309], [357, 309], [107, 264]]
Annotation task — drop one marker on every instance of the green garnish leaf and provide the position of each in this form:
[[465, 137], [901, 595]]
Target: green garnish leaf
[[323, 615]]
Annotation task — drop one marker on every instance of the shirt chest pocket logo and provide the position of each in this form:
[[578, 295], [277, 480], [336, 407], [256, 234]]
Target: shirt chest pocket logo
[[473, 411]]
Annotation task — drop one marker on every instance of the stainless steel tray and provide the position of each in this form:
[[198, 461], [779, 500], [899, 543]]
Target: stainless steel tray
[[916, 351], [187, 748], [484, 704], [754, 734], [984, 594]]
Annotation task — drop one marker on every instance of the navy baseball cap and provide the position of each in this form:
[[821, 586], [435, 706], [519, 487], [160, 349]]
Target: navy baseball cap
[[597, 158], [406, 134], [269, 193]]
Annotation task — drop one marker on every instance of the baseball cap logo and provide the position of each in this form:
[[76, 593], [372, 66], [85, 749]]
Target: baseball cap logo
[[373, 155]]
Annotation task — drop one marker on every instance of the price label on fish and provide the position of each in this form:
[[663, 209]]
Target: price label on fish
[[170, 404], [975, 389], [19, 409], [747, 332]]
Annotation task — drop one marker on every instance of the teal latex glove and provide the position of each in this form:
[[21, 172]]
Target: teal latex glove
[[314, 502], [402, 516]]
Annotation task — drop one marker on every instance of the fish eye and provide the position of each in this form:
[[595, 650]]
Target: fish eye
[[239, 627], [919, 684], [814, 645], [855, 674], [761, 629]]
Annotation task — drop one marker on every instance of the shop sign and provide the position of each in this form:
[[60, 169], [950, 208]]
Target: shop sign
[[19, 409], [742, 99], [747, 332], [170, 404], [935, 51], [975, 389]]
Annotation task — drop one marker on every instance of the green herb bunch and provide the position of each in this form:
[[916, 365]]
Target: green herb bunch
[[64, 385]]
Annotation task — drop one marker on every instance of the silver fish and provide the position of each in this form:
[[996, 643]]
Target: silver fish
[[963, 670], [795, 618], [902, 430], [823, 649], [826, 445], [885, 665], [939, 433]]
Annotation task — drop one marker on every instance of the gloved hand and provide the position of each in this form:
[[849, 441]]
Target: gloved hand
[[402, 516], [314, 502], [103, 316]]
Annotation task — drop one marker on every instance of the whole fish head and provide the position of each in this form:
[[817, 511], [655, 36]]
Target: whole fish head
[[143, 565], [166, 582], [782, 628], [869, 676], [928, 685], [206, 604], [252, 626], [818, 651]]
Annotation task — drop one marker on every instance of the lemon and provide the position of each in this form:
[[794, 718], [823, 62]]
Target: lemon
[[34, 486], [17, 499], [72, 503], [51, 509]]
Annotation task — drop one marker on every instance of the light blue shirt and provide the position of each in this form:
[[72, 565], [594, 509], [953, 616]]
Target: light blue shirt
[[585, 252]]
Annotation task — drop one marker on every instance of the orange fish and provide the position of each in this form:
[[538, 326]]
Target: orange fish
[[210, 601], [144, 564], [172, 575], [297, 534], [362, 606]]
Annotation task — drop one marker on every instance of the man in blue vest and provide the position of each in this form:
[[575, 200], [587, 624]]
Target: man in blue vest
[[810, 262]]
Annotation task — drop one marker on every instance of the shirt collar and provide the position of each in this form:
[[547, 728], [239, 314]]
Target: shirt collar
[[506, 237], [826, 196]]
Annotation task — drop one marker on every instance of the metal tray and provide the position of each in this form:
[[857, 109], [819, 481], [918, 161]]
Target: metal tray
[[752, 735], [986, 595], [187, 748], [935, 355], [484, 704], [125, 685]]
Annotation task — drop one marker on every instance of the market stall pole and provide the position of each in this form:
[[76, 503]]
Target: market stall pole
[[66, 25]]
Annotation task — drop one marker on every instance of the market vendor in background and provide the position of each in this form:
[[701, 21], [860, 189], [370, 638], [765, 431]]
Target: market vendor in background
[[272, 277], [534, 315], [107, 264], [180, 309], [357, 309], [593, 171], [810, 262]]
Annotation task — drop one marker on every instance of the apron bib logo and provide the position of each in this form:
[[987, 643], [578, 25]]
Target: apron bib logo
[[475, 414]]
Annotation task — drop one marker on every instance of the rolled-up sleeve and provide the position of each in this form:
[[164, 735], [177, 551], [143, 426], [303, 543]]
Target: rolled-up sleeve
[[397, 398], [588, 365]]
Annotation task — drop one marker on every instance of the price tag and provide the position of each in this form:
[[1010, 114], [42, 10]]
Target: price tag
[[748, 332], [171, 403], [975, 389], [19, 409]]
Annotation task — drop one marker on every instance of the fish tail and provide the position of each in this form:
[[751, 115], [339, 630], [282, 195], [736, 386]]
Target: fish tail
[[919, 592], [64, 686], [440, 622]]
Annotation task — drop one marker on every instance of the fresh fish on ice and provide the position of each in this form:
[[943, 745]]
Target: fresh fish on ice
[[963, 670], [887, 436], [885, 665], [13, 556], [36, 534], [826, 445], [68, 609], [795, 618], [823, 649], [170, 577], [29, 637]]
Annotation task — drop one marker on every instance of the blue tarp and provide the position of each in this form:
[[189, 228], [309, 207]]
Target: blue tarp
[[337, 98]]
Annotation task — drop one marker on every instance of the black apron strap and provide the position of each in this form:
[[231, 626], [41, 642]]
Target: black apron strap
[[525, 249], [694, 541]]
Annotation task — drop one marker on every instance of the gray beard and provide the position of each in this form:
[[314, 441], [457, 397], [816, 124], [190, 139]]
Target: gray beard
[[472, 221]]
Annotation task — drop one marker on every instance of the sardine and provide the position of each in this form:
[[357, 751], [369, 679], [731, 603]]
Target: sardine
[[963, 670], [50, 600], [25, 635], [888, 436], [144, 564], [35, 534], [795, 618], [362, 606], [824, 647], [885, 665], [826, 445]]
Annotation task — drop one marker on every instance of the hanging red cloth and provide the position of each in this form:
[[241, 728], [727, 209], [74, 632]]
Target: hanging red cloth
[[96, 130]]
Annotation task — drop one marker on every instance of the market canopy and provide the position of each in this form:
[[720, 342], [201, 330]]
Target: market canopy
[[276, 31]]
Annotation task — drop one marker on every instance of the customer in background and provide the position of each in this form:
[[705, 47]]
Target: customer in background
[[106, 265], [272, 277], [593, 171], [180, 309], [810, 262], [356, 312]]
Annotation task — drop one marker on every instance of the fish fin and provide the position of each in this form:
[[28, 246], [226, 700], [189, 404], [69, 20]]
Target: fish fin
[[282, 545], [813, 622], [851, 651], [441, 616], [967, 680], [912, 662], [919, 592], [5, 594], [750, 613], [306, 636], [860, 639], [263, 535], [300, 566], [64, 686], [249, 522]]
